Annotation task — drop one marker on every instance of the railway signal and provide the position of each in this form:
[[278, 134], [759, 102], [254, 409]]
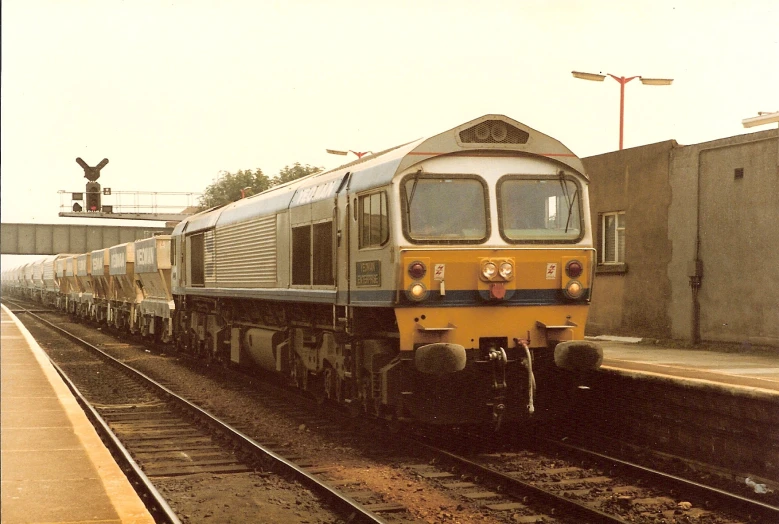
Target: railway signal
[[93, 196], [93, 188], [89, 203], [92, 173]]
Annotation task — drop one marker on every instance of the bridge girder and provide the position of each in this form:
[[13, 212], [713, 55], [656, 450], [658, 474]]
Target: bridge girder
[[50, 239]]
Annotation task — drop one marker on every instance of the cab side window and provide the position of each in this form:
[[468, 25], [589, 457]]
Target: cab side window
[[196, 262], [374, 220]]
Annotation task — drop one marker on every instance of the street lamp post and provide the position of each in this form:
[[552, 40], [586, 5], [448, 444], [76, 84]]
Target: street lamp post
[[761, 119], [622, 81], [359, 154]]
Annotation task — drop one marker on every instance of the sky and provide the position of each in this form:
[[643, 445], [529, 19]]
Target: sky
[[174, 92]]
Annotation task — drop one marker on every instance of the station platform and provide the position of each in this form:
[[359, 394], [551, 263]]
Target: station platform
[[733, 367], [55, 468]]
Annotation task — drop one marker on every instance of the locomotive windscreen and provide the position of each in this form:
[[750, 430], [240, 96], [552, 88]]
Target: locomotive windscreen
[[445, 208], [539, 209]]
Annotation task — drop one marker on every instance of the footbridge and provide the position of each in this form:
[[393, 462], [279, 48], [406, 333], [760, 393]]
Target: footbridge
[[50, 239]]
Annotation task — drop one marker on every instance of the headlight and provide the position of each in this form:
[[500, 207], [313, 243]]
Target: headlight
[[498, 131], [489, 270], [507, 270], [417, 291], [574, 289]]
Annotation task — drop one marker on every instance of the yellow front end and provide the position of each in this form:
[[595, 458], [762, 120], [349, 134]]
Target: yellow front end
[[479, 327], [452, 300]]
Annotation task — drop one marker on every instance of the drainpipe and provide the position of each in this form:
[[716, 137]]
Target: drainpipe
[[695, 267]]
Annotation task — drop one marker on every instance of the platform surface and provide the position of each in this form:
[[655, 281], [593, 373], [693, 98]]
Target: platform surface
[[55, 468], [735, 367]]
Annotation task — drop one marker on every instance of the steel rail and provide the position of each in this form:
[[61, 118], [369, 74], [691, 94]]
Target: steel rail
[[519, 488], [725, 497], [152, 498], [349, 509]]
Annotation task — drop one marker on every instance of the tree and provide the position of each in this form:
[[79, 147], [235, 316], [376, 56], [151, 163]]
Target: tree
[[294, 172], [227, 187]]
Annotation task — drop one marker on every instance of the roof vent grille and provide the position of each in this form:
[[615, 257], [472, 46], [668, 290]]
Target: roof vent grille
[[493, 132]]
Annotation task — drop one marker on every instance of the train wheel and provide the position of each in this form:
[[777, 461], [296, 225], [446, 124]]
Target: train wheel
[[300, 374], [207, 349], [331, 383], [364, 393], [180, 343]]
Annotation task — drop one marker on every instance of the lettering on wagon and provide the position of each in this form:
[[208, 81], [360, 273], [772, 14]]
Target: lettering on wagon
[[145, 256], [117, 260], [97, 263]]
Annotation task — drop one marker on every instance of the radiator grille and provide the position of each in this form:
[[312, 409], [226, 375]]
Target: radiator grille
[[246, 253]]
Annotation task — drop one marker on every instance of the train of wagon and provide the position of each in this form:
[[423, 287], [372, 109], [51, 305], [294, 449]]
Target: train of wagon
[[444, 281]]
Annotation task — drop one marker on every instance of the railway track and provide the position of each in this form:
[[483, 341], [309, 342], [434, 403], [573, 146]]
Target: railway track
[[388, 473], [163, 438], [564, 475]]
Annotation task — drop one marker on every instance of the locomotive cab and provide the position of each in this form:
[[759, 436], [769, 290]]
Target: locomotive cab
[[495, 275]]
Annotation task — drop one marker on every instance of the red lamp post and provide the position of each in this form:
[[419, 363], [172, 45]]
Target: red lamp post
[[359, 154], [622, 81]]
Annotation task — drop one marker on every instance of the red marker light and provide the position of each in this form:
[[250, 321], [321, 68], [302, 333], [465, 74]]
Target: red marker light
[[417, 270], [574, 269], [498, 290]]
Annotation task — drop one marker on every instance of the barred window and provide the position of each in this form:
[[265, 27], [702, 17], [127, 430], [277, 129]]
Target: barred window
[[323, 254], [301, 255], [613, 238], [312, 254], [196, 260], [374, 220]]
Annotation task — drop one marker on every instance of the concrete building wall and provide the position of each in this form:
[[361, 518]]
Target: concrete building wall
[[717, 202], [733, 232], [632, 298], [682, 217]]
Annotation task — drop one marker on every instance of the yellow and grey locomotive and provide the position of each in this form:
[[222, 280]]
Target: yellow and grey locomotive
[[439, 281]]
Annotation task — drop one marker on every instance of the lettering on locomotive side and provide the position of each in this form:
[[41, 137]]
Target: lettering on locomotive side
[[310, 194], [369, 273]]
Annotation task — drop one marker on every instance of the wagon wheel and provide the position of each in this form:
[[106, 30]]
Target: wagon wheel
[[223, 354], [207, 349], [365, 392], [192, 343], [333, 385], [300, 374], [164, 335], [303, 374], [340, 388]]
